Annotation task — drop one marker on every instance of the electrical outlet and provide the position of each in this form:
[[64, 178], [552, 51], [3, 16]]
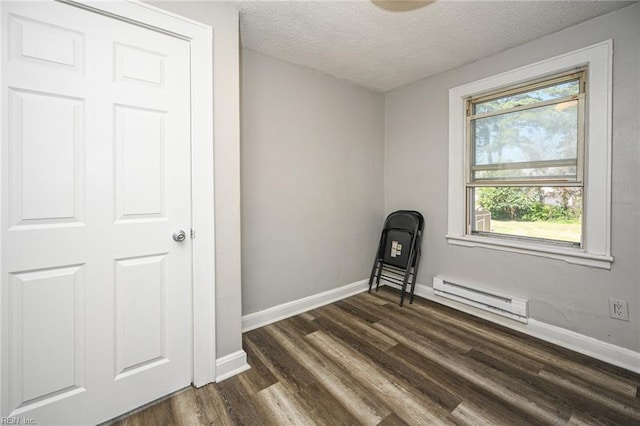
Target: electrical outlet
[[618, 309]]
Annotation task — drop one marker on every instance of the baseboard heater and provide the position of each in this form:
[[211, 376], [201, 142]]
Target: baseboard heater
[[507, 306]]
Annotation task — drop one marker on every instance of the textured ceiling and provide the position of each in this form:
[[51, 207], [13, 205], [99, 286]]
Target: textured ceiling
[[382, 50]]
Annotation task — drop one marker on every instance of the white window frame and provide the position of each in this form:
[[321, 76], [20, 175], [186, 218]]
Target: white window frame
[[596, 247]]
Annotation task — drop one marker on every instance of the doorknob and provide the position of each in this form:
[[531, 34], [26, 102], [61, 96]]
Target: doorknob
[[179, 235]]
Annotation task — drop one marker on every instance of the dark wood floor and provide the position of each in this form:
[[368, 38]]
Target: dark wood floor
[[364, 360]]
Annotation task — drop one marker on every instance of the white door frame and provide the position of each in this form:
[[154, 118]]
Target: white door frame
[[202, 164]]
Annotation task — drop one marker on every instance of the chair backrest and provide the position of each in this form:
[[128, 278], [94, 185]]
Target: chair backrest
[[409, 220], [402, 229]]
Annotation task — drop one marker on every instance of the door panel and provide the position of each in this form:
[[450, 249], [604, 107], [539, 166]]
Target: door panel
[[46, 334], [46, 174], [45, 43], [96, 295], [141, 297], [140, 163], [137, 65]]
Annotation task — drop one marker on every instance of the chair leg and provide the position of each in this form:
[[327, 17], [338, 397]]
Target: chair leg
[[415, 275], [376, 270], [406, 278], [404, 284], [404, 287], [412, 285], [373, 274]]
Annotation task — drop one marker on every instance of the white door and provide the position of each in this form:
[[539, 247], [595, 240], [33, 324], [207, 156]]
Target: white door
[[96, 294]]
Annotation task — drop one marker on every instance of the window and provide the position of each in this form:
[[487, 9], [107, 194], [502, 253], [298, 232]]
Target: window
[[530, 159], [525, 168]]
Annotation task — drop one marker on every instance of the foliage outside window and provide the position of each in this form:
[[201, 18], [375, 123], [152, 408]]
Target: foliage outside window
[[525, 161]]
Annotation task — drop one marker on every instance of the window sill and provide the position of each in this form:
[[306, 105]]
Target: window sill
[[573, 256]]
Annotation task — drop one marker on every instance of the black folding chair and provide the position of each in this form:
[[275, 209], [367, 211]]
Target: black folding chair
[[399, 251]]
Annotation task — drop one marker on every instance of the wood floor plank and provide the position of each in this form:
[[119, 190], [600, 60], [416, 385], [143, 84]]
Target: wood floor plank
[[364, 314], [584, 419], [470, 414], [240, 404], [300, 383], [566, 398], [415, 408], [160, 412], [234, 389], [161, 415], [305, 323], [212, 406], [378, 300], [629, 407], [393, 420], [406, 375], [415, 322], [187, 404], [526, 347], [349, 322], [502, 389], [456, 337], [259, 376], [282, 408], [350, 393], [366, 361], [306, 316], [460, 389]]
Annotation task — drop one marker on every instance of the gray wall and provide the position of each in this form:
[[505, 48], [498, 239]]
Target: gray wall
[[312, 181], [569, 296]]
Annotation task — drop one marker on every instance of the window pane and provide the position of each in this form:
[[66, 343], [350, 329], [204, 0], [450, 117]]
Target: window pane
[[538, 134], [530, 213], [561, 90], [568, 172]]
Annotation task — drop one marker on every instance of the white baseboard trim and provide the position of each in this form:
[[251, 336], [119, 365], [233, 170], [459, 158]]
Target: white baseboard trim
[[607, 352], [230, 365], [289, 309], [568, 339]]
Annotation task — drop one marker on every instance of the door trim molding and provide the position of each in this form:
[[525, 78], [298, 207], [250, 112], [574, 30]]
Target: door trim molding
[[200, 37]]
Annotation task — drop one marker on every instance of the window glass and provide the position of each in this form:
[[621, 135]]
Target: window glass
[[524, 179], [544, 133], [550, 214], [544, 94], [534, 173]]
